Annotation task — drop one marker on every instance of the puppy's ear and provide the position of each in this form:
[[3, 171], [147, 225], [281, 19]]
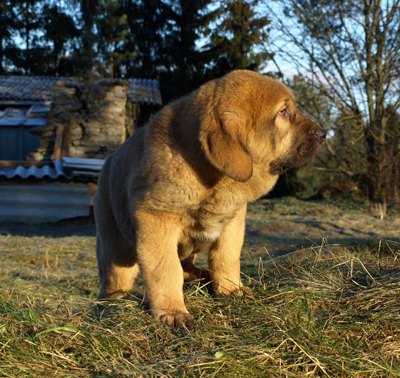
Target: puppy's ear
[[223, 138]]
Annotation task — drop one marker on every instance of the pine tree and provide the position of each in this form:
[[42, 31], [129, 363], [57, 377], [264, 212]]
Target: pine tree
[[187, 63], [83, 56], [233, 39], [148, 29], [27, 24], [60, 30], [111, 33], [7, 18]]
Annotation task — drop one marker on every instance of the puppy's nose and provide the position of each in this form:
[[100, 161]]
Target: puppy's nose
[[320, 134]]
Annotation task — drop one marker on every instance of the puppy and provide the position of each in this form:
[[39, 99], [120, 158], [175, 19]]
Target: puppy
[[180, 186]]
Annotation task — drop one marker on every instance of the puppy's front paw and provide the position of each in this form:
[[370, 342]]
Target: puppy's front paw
[[232, 290], [177, 319]]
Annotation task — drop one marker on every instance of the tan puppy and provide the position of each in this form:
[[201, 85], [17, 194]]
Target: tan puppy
[[180, 185]]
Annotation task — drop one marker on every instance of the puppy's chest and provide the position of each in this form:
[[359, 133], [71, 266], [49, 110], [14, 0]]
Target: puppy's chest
[[200, 231]]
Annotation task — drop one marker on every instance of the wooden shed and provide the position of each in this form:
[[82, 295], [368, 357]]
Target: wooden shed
[[55, 133], [95, 119]]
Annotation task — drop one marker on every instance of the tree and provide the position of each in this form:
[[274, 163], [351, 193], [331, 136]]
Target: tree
[[341, 152], [164, 35], [185, 64], [351, 50], [35, 36], [27, 24], [391, 153], [59, 29], [147, 25], [111, 34], [305, 181], [84, 56], [7, 18], [237, 31]]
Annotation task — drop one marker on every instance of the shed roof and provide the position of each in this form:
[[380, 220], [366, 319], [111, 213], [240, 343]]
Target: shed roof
[[145, 90], [38, 88], [28, 88]]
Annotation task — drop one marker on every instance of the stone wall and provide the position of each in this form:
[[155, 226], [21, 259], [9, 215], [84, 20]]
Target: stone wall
[[96, 119]]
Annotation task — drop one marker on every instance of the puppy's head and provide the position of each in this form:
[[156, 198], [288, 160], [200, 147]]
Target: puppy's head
[[252, 119]]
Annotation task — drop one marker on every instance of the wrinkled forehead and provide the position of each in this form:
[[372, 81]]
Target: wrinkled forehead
[[272, 95], [250, 91], [277, 90]]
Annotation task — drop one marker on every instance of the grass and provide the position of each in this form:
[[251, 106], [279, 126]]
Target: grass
[[329, 311]]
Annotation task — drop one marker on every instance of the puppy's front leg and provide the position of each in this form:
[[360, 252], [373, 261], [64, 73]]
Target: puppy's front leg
[[157, 241], [224, 256]]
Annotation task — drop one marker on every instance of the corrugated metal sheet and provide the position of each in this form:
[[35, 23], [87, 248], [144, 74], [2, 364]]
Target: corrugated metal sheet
[[43, 203], [52, 170]]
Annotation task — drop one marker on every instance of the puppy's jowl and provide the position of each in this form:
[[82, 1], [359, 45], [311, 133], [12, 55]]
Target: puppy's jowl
[[180, 186]]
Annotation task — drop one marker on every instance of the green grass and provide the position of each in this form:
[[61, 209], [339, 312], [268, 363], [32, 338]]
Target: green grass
[[323, 311]]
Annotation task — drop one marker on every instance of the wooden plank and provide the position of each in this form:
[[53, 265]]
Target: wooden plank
[[66, 141], [58, 142]]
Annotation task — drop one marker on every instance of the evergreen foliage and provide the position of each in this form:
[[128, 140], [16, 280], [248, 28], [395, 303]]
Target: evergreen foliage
[[347, 52], [112, 35], [238, 29], [132, 38]]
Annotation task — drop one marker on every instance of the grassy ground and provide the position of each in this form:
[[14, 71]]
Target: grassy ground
[[316, 308]]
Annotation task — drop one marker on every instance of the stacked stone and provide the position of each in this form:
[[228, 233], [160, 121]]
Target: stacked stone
[[95, 119], [103, 129]]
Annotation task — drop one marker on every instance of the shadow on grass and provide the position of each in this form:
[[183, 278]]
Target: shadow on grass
[[83, 226], [289, 243], [279, 237]]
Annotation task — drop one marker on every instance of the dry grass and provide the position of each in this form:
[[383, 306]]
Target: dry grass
[[325, 311]]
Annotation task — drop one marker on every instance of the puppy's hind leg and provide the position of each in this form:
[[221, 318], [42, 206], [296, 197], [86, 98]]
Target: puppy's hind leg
[[191, 272], [116, 257], [118, 266]]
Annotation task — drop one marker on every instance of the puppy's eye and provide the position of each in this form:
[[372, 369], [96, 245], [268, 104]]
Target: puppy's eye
[[283, 112]]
